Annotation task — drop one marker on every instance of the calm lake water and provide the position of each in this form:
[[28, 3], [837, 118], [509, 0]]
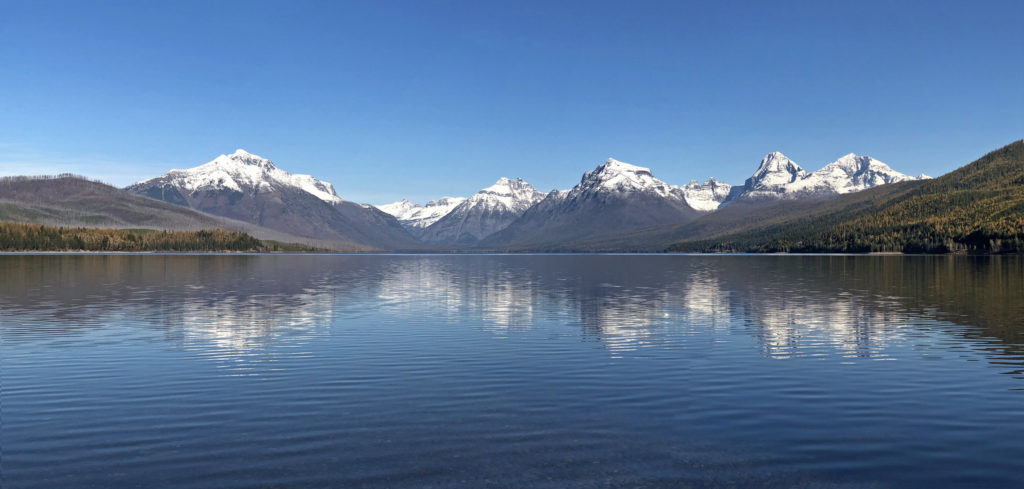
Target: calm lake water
[[551, 371]]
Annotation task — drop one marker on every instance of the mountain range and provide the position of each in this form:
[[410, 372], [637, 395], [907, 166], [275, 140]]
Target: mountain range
[[978, 208], [617, 206], [618, 198], [613, 198]]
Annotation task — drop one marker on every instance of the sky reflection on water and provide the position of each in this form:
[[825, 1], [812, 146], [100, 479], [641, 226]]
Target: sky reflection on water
[[408, 371]]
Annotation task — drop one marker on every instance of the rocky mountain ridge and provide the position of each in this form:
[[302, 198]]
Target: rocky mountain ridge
[[614, 197]]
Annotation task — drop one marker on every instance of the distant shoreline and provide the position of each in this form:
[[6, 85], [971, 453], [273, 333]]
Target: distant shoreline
[[470, 253]]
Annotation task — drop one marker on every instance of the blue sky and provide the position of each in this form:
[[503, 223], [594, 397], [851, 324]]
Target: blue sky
[[428, 98]]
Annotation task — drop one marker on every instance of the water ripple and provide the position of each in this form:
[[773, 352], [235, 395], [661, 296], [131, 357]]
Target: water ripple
[[509, 371]]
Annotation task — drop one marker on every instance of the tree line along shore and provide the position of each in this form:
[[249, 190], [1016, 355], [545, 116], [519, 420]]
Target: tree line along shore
[[37, 237]]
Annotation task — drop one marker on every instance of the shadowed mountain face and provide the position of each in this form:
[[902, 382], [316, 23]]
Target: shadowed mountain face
[[249, 188], [295, 212], [614, 199], [73, 201]]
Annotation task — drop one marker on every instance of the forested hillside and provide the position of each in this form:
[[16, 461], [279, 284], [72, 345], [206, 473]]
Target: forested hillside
[[977, 208], [34, 237], [71, 201]]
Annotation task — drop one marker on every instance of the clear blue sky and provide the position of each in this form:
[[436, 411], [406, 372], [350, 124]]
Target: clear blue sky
[[428, 98]]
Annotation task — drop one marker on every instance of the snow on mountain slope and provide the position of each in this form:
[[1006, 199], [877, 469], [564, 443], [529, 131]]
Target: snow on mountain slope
[[507, 195], [252, 189], [773, 176], [242, 171], [778, 177], [613, 199], [706, 196], [622, 178], [851, 173], [615, 195], [417, 216], [484, 213], [399, 209]]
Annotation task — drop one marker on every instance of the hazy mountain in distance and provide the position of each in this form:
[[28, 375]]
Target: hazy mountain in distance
[[488, 211], [706, 196], [417, 217]]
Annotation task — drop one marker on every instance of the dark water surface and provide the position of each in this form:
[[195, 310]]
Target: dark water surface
[[550, 371]]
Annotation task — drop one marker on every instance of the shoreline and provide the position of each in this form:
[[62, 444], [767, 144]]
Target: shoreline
[[483, 253]]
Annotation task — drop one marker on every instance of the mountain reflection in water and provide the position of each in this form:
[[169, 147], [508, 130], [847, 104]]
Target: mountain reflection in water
[[552, 371], [851, 305]]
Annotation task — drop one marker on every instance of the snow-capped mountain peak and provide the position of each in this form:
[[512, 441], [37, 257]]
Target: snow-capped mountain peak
[[514, 195], [620, 177], [849, 173], [706, 196], [611, 164], [238, 160], [243, 171], [851, 160], [851, 166], [484, 213], [613, 168], [446, 201], [399, 208], [775, 170], [417, 216], [780, 177], [506, 185]]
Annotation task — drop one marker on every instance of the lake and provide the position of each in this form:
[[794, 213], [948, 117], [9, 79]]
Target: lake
[[473, 371]]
